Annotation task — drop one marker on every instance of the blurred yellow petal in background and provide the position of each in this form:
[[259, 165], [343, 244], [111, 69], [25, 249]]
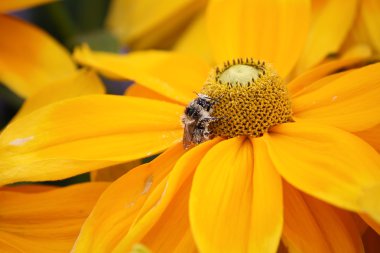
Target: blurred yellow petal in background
[[48, 220], [29, 58], [13, 5], [330, 23], [112, 173], [194, 39], [149, 23], [365, 30], [82, 82], [139, 27], [370, 13]]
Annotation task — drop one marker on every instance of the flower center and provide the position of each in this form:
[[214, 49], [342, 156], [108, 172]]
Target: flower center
[[249, 97]]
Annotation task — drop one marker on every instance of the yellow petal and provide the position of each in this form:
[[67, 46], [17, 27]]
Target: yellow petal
[[318, 84], [312, 226], [310, 76], [112, 173], [358, 50], [86, 133], [350, 102], [327, 163], [267, 209], [371, 136], [358, 33], [330, 23], [12, 5], [194, 39], [137, 90], [80, 83], [371, 241], [145, 23], [370, 13], [221, 198], [171, 233], [373, 224], [29, 58], [163, 221], [187, 244], [48, 221], [361, 225], [170, 74], [118, 207], [273, 30], [28, 188]]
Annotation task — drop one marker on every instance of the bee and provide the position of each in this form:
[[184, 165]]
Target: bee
[[196, 119]]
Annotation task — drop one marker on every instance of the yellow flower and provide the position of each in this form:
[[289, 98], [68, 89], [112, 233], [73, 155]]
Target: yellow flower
[[242, 194], [42, 218]]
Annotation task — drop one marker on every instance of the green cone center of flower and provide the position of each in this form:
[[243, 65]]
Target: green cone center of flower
[[250, 98], [239, 74]]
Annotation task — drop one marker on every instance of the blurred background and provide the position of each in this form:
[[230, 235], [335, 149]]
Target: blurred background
[[71, 22]]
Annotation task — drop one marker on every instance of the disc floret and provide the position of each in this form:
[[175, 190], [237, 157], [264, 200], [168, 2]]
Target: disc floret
[[251, 98]]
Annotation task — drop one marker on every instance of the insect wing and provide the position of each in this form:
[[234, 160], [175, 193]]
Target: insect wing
[[188, 131]]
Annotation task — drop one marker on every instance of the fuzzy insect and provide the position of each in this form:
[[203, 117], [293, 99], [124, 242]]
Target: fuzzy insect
[[196, 120]]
